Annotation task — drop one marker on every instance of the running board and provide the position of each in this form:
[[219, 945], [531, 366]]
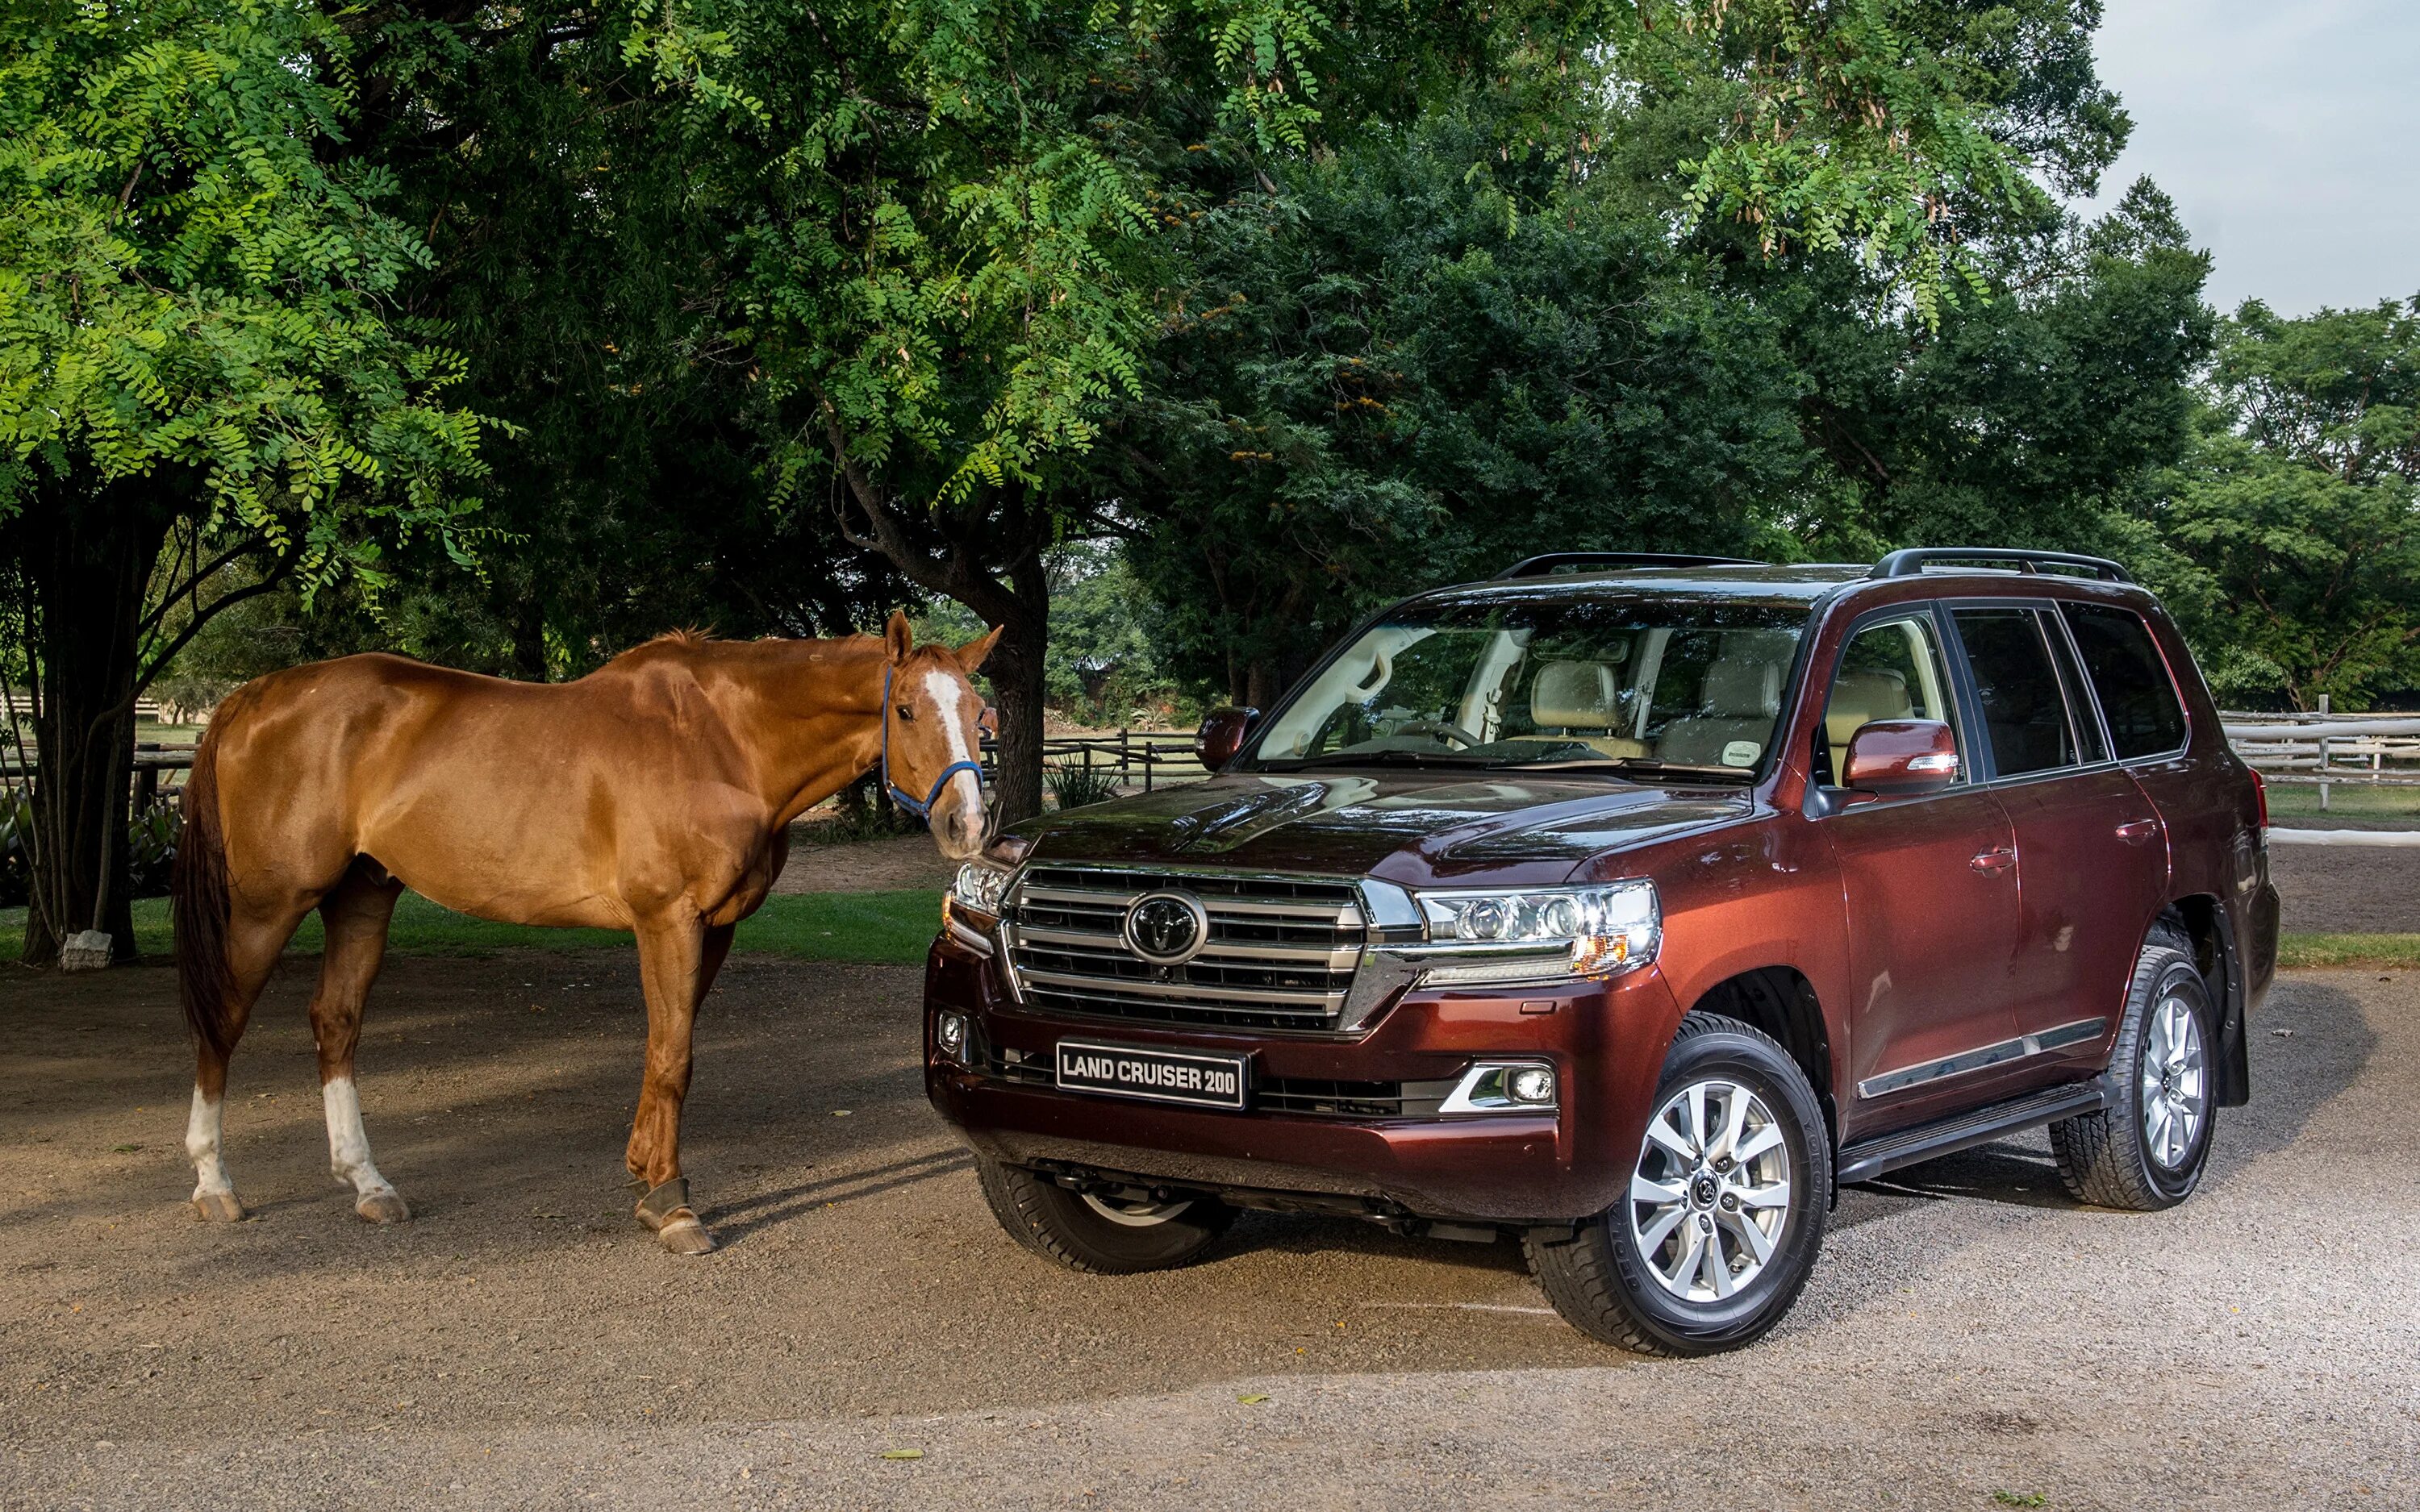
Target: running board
[[1869, 1158]]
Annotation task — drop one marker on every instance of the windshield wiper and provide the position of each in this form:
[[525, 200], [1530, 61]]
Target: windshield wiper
[[1647, 765], [1388, 758]]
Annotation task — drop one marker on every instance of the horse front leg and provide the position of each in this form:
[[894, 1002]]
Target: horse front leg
[[677, 960]]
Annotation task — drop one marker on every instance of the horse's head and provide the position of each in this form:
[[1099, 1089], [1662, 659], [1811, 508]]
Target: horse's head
[[931, 744]]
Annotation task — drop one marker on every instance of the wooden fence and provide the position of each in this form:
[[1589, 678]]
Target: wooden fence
[[2367, 749], [1138, 762]]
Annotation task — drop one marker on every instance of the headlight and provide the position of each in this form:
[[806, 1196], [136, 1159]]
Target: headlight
[[1539, 933], [979, 888]]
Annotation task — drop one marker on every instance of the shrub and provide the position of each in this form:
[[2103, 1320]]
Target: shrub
[[1077, 787]]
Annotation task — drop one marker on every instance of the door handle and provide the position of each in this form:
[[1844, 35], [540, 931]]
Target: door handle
[[1994, 861], [2139, 830]]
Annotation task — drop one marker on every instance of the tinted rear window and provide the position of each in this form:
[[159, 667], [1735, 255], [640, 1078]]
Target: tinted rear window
[[2023, 710], [2137, 698]]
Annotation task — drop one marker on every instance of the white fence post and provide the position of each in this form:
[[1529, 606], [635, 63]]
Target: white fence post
[[2323, 758]]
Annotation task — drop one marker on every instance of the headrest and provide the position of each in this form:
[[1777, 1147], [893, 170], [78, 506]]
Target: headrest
[[1739, 687], [1575, 695], [1861, 698]]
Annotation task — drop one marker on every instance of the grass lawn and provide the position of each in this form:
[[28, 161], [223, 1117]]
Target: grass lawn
[[892, 926], [2391, 951], [2350, 806], [813, 926]]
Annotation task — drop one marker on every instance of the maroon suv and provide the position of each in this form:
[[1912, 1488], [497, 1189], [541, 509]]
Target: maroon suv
[[1630, 905]]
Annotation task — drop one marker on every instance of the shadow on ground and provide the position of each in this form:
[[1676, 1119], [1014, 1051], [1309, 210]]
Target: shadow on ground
[[862, 1274]]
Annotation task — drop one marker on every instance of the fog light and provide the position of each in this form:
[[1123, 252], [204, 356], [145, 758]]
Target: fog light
[[950, 1033], [1531, 1084]]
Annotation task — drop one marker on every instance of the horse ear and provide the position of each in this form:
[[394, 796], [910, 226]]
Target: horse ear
[[897, 638], [971, 655]]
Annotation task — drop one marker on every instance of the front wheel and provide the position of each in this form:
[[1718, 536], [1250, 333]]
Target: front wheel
[[2146, 1151], [1102, 1235], [1724, 1211]]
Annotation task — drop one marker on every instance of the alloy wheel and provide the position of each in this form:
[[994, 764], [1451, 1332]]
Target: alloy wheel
[[1134, 1215], [2175, 1082], [1710, 1193]]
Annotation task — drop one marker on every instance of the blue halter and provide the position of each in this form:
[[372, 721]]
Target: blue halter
[[901, 795]]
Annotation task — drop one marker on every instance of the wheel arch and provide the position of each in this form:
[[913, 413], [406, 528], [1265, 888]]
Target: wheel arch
[[1780, 1002], [2216, 955]]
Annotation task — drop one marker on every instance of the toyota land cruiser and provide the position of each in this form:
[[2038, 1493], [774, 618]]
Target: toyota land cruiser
[[1629, 906]]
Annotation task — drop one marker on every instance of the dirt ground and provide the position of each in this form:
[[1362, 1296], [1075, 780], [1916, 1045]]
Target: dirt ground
[[890, 865], [2351, 889], [1971, 1338]]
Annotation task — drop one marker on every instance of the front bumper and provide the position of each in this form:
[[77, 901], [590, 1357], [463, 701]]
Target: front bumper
[[1605, 1040]]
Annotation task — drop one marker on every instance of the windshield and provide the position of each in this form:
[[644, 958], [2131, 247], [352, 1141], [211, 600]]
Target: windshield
[[1644, 683]]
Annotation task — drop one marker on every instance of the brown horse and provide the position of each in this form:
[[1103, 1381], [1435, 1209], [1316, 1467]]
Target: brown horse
[[652, 796]]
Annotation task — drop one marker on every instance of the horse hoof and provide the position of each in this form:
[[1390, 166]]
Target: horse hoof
[[383, 1206], [217, 1208], [687, 1236]]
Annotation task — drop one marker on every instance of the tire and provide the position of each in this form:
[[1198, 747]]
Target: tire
[[2147, 1148], [1100, 1237], [1619, 1279]]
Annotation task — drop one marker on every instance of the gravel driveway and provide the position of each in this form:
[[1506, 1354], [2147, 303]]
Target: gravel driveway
[[1971, 1339]]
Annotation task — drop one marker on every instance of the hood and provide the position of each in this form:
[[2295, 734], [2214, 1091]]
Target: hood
[[1411, 828]]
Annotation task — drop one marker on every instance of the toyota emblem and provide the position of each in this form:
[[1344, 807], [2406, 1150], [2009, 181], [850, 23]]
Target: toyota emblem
[[1166, 929]]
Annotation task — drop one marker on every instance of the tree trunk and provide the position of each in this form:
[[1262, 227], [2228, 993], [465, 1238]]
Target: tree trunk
[[85, 560], [1016, 670]]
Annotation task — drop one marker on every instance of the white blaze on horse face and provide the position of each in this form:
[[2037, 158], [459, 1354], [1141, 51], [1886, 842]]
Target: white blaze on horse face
[[202, 1149], [348, 1143], [943, 689]]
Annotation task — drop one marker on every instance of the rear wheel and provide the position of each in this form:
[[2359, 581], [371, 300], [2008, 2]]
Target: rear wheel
[[1103, 1234], [2147, 1149], [1724, 1211]]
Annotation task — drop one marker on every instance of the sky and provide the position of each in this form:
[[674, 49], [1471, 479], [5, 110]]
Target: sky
[[2289, 133]]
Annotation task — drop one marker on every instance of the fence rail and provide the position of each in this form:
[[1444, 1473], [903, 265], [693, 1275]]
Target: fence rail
[[1137, 761], [2325, 748]]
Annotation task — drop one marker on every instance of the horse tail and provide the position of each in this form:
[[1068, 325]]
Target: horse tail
[[199, 890]]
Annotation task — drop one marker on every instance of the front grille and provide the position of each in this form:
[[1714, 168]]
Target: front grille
[[1281, 952], [1303, 1096]]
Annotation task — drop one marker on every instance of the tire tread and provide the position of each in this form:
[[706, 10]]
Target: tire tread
[[2099, 1154], [1583, 1275]]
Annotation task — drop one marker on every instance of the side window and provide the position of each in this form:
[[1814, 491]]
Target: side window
[[2079, 698], [2024, 714], [2137, 697], [1888, 671]]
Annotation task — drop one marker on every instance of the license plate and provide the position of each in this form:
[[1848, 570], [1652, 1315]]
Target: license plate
[[1191, 1077]]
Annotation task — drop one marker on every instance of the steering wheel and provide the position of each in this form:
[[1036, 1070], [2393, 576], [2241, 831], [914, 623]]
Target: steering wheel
[[1436, 727]]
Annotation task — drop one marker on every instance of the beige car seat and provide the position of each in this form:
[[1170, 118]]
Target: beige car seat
[[1582, 701], [1739, 699], [1860, 698]]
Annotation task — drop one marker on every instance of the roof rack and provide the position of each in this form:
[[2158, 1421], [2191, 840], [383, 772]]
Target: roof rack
[[1914, 559], [1553, 561]]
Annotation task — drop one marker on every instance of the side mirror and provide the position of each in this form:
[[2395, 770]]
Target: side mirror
[[1222, 733], [1900, 758]]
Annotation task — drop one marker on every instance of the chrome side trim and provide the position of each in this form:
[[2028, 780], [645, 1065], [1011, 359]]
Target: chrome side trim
[[2041, 1041]]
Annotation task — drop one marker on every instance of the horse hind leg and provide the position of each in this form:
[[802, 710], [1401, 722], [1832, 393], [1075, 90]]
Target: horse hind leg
[[356, 916], [251, 946]]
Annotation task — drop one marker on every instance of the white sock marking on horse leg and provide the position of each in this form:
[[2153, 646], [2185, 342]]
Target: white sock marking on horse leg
[[202, 1147], [348, 1143]]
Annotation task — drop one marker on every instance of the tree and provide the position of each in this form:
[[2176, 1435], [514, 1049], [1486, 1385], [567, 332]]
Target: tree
[[2040, 417], [201, 363], [950, 215], [1401, 374], [2289, 539]]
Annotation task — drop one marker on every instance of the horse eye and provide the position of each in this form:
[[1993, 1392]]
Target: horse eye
[[907, 713]]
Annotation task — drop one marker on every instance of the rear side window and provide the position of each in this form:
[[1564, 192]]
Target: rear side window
[[2138, 698], [2023, 710]]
